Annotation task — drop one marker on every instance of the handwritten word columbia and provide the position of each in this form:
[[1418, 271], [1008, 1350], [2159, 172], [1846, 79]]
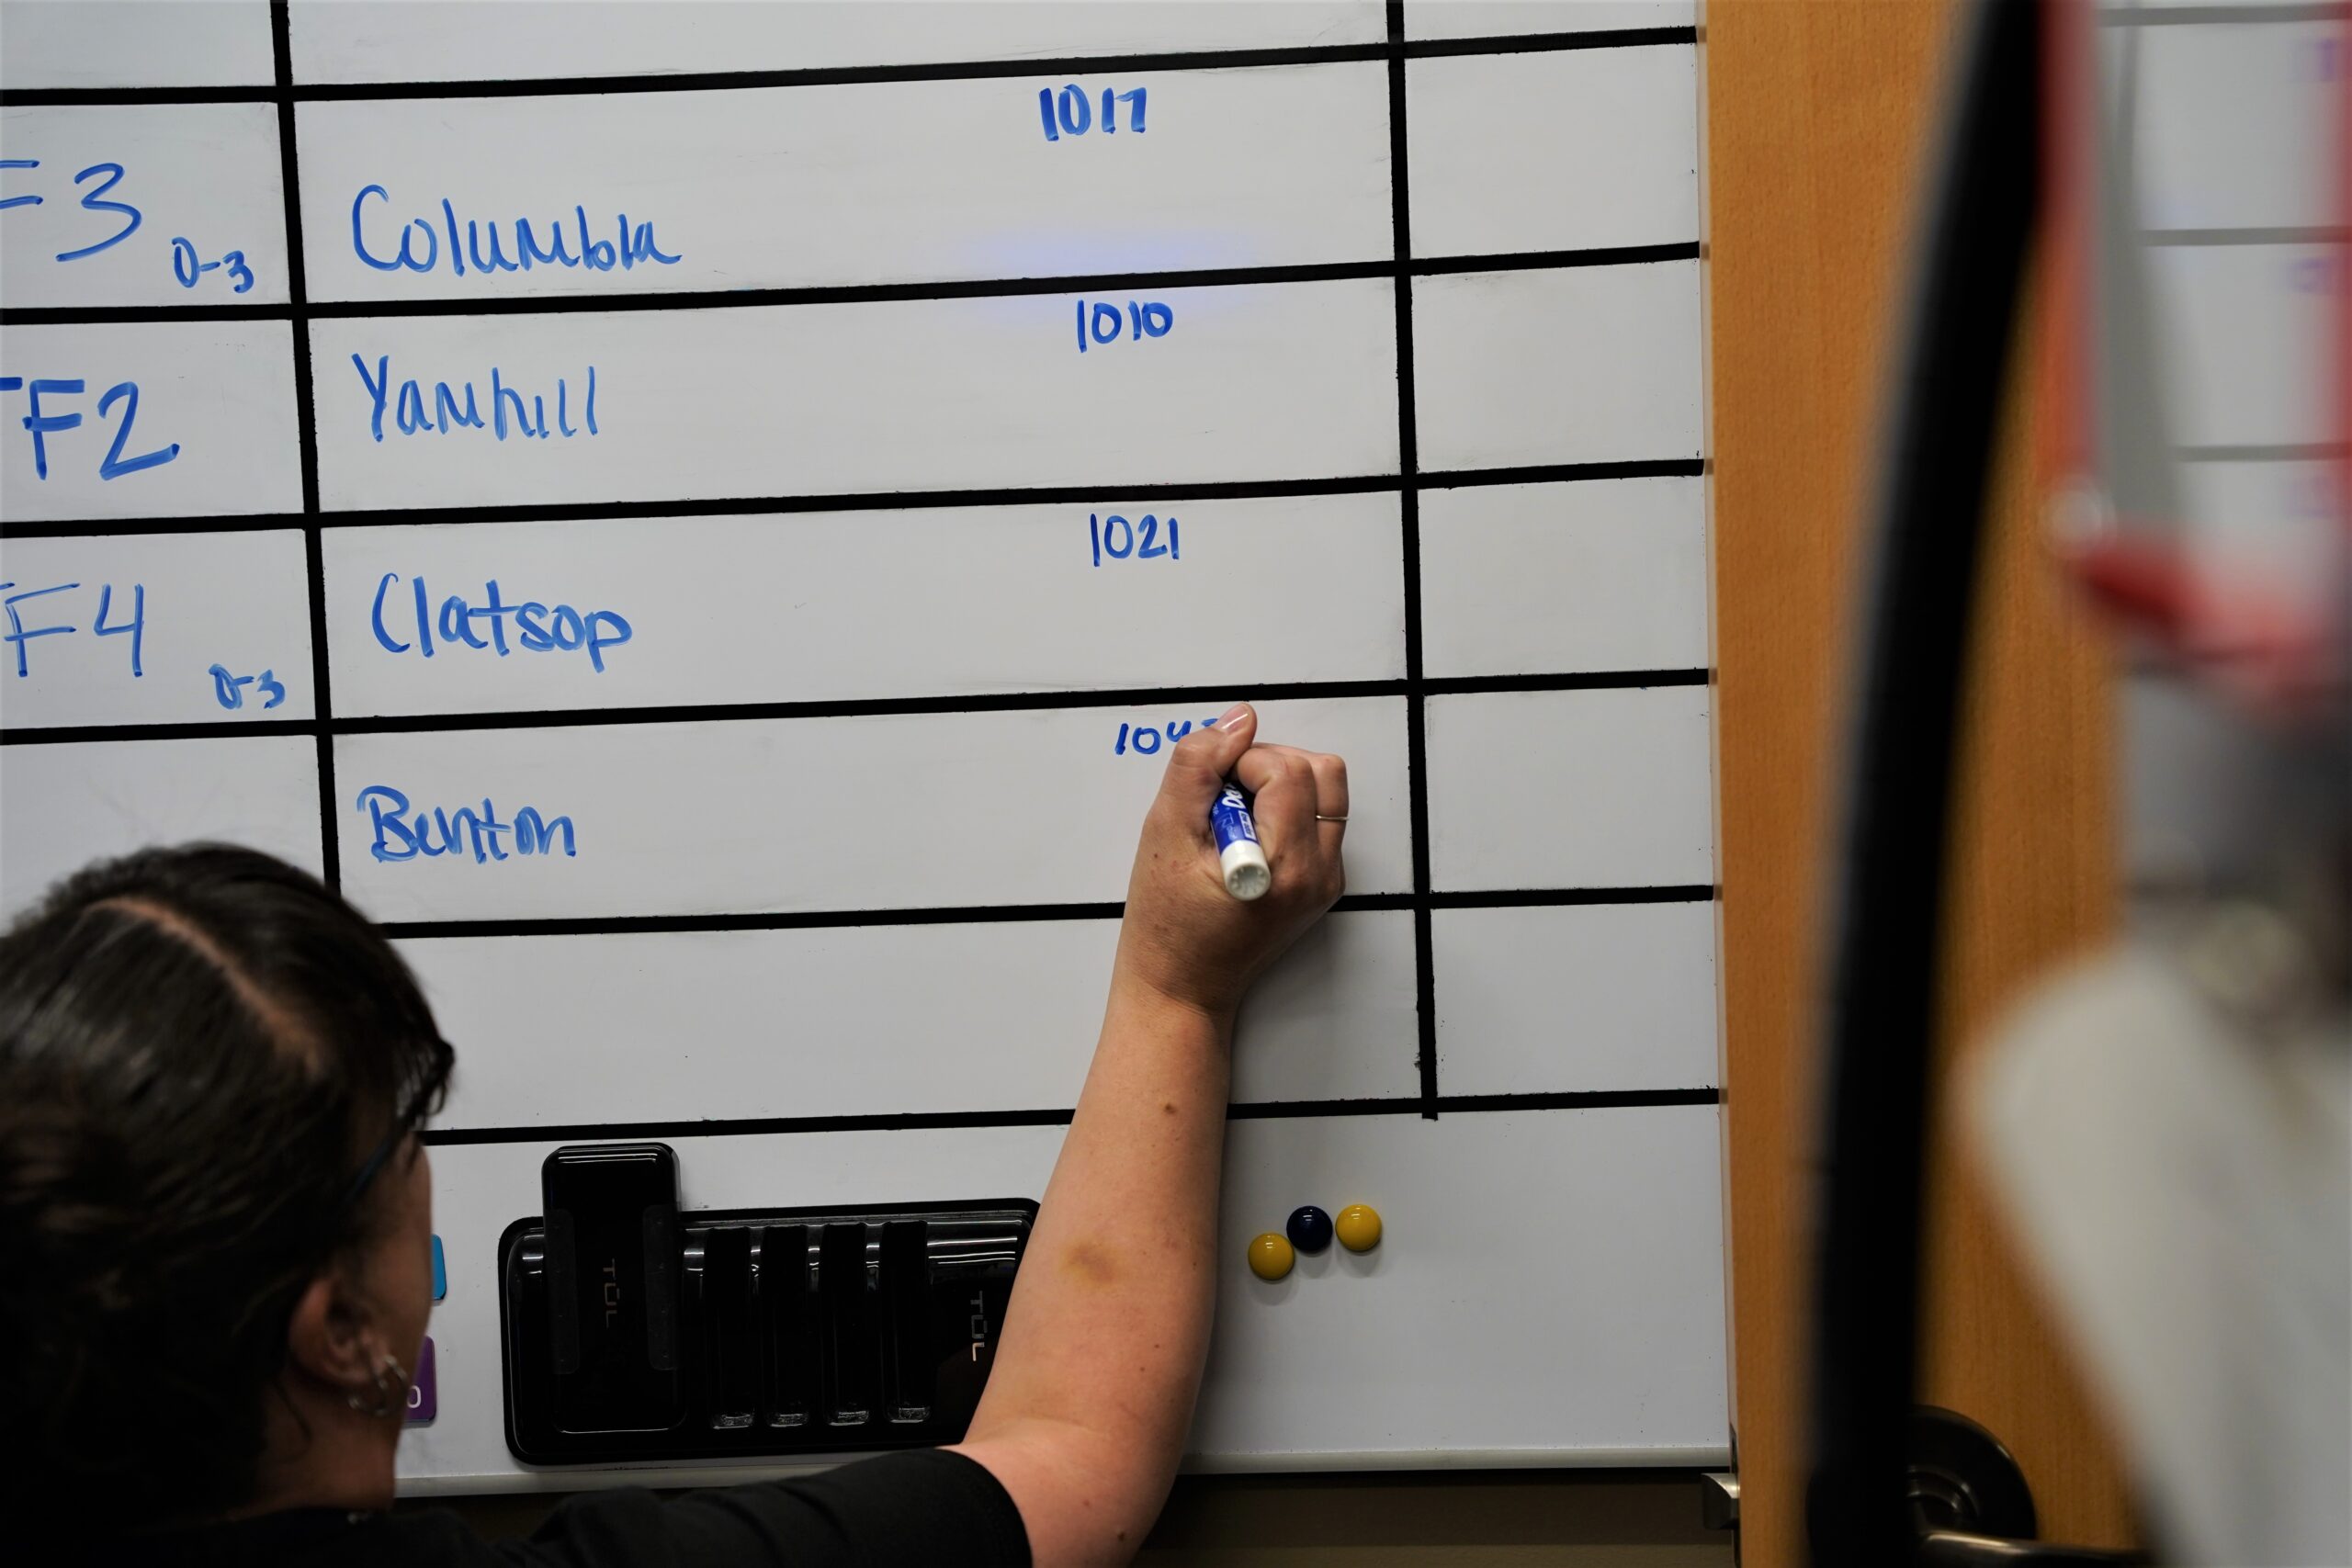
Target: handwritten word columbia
[[419, 248]]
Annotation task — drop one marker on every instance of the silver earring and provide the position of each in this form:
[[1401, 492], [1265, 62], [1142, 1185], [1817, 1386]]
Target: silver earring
[[392, 1393]]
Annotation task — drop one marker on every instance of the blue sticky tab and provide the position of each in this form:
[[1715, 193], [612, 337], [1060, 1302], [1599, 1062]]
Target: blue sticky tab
[[440, 1273]]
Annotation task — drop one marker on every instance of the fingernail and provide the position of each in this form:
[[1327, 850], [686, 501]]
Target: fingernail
[[1232, 715]]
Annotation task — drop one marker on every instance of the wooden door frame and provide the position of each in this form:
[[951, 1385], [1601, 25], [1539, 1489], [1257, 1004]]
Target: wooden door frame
[[1817, 118]]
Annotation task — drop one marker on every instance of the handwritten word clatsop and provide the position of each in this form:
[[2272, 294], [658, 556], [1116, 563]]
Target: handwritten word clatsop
[[537, 629], [418, 247]]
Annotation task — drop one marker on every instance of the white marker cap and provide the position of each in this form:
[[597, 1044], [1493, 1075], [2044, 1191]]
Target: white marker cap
[[1247, 875]]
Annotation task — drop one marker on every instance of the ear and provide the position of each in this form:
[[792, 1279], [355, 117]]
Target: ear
[[328, 1338]]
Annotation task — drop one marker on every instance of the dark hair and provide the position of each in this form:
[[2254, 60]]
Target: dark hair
[[201, 1048]]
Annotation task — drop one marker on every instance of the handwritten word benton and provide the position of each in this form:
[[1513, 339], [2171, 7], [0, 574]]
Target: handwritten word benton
[[130, 218], [1118, 538], [507, 409], [537, 629], [1068, 115], [397, 836], [1104, 324], [1145, 738], [630, 247], [18, 634], [43, 423]]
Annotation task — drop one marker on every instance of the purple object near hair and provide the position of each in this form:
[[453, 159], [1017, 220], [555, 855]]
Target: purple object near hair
[[423, 1396]]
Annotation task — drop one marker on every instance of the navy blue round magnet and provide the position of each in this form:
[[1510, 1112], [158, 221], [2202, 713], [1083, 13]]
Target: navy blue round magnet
[[1309, 1228]]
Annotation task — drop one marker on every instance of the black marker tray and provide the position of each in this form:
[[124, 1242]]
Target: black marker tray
[[815, 1331]]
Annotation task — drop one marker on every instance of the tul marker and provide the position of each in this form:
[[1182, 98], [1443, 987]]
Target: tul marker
[[1247, 875]]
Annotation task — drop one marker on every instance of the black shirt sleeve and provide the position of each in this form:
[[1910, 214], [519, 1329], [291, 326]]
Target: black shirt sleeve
[[924, 1506]]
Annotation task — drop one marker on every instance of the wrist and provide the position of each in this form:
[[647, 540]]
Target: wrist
[[1139, 995]]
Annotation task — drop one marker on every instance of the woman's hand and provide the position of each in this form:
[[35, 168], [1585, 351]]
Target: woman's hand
[[1185, 936]]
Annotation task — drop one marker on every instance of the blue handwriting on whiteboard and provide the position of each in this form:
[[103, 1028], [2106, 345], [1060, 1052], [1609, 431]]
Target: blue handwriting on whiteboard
[[1069, 115], [419, 246], [1144, 738], [92, 201], [1118, 538], [536, 628], [45, 422], [18, 634], [229, 690], [399, 836], [411, 416], [186, 269], [1103, 323]]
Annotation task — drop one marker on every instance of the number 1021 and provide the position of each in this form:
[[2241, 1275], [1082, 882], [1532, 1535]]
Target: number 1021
[[1118, 538]]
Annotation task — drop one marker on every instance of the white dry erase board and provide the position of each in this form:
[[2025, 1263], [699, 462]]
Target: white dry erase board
[[794, 468]]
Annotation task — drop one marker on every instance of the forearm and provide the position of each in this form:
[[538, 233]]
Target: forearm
[[1109, 1325], [1092, 1391]]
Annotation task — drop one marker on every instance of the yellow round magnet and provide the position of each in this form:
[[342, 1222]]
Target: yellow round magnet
[[1357, 1227], [1270, 1256]]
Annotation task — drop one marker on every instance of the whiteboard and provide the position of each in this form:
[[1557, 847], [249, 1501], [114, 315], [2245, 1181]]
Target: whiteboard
[[207, 428], [1336, 1367], [392, 40], [1606, 574], [711, 610], [908, 192], [705, 524], [2234, 199], [846, 399], [136, 43], [1335, 1021], [208, 189], [882, 811]]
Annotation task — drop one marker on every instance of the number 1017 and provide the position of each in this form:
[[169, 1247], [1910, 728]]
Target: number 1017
[[1071, 112]]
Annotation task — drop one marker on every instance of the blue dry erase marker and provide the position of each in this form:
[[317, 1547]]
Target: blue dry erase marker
[[1247, 875]]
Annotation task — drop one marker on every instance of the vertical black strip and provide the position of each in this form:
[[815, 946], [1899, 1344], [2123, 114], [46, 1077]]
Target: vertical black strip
[[1970, 248], [1409, 460], [298, 296]]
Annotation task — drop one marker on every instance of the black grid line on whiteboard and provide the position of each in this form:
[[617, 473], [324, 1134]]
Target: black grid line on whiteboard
[[1409, 464], [862, 707], [860, 501], [1011, 914], [306, 429], [629, 301], [842, 76], [1059, 1116]]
